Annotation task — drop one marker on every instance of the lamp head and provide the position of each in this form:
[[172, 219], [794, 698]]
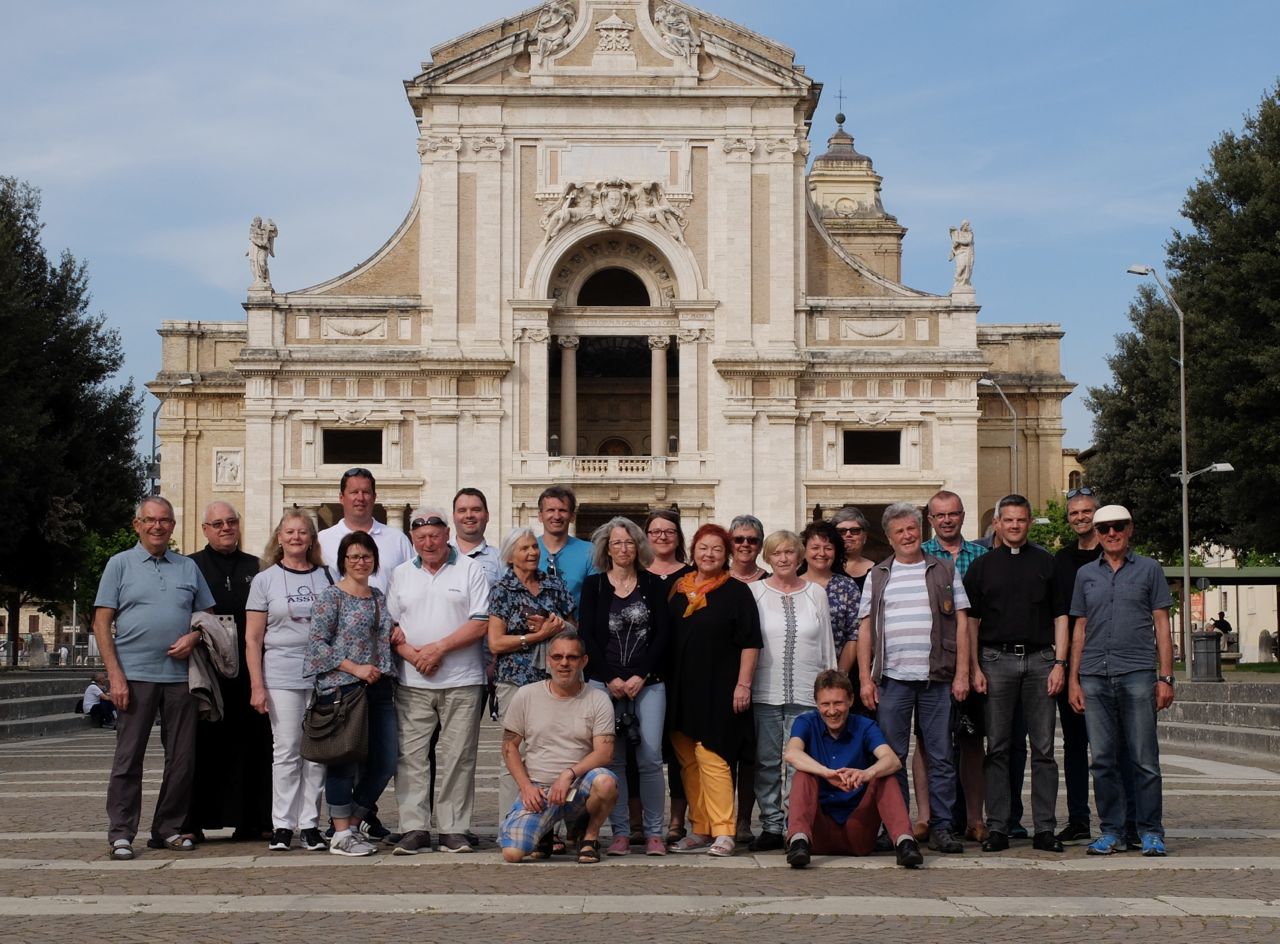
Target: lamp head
[[1222, 467], [1140, 270]]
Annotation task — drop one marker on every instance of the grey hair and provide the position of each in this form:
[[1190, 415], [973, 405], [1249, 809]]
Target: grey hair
[[748, 521], [900, 510], [850, 513], [430, 511], [600, 557], [513, 537], [218, 501], [568, 635], [154, 499]]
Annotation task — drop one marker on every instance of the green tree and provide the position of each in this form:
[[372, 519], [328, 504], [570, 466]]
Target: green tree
[[70, 469], [1225, 273]]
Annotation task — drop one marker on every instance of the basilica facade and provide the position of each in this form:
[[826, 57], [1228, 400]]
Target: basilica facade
[[623, 273]]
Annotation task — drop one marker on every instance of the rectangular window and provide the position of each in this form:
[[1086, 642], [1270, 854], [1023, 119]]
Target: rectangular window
[[352, 446], [873, 447]]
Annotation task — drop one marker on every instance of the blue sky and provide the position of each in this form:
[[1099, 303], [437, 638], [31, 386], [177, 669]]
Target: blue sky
[[1066, 132]]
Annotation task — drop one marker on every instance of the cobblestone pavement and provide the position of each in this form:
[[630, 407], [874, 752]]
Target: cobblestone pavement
[[56, 884]]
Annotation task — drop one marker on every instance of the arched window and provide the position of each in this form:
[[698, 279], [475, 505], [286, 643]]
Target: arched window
[[614, 288]]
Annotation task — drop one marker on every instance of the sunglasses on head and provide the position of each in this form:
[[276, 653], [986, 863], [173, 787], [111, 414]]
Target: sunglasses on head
[[1107, 527], [1077, 492], [432, 522]]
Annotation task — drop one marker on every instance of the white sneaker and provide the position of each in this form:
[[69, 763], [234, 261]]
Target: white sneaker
[[350, 845], [722, 847]]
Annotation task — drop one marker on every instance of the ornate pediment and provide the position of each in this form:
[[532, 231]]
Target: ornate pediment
[[613, 202]]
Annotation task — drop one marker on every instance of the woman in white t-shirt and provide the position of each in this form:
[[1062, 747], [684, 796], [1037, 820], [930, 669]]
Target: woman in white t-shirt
[[277, 629]]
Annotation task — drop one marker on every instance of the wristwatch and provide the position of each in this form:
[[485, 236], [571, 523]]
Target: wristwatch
[[1167, 679]]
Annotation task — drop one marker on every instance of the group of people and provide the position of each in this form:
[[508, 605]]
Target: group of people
[[785, 671]]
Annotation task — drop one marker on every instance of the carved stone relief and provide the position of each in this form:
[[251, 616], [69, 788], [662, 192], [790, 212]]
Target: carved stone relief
[[228, 468], [635, 255], [614, 202], [677, 33], [554, 24], [615, 35], [872, 329], [353, 329]]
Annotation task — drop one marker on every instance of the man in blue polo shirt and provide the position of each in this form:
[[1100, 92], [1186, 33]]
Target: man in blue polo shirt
[[1121, 676], [149, 592], [841, 793], [563, 555]]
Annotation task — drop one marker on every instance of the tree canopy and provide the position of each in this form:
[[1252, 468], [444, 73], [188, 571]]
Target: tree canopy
[[70, 470], [1225, 275]]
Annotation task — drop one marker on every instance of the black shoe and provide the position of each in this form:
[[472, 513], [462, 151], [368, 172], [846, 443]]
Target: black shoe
[[328, 833], [1132, 842], [1046, 842], [883, 842], [767, 842], [909, 856], [281, 840], [1018, 831], [312, 841], [1074, 833], [995, 842], [371, 828], [798, 853], [943, 840], [474, 841]]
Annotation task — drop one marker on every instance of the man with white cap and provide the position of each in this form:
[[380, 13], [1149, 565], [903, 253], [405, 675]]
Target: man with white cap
[[1121, 676]]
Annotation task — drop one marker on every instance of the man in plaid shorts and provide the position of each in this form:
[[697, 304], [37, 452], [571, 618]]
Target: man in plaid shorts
[[567, 729]]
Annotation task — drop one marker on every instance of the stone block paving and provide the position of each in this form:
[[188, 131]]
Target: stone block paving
[[56, 884]]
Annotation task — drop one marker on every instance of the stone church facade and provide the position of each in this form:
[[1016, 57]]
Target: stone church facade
[[621, 274]]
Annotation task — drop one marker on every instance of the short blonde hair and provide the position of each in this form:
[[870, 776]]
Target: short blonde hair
[[780, 538]]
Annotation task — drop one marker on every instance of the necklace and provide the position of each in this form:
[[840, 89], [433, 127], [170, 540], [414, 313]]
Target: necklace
[[623, 586]]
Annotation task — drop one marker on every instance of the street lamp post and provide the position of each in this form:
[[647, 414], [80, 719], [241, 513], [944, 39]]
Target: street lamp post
[[1182, 475], [153, 460], [988, 382]]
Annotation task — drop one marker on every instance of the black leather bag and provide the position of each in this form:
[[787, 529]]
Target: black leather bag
[[337, 732]]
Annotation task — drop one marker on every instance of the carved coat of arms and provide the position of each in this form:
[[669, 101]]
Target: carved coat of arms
[[615, 201]]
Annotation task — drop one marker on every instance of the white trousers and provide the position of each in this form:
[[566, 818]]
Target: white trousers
[[297, 785]]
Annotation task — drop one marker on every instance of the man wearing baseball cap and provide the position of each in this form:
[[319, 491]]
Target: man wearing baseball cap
[[1121, 675]]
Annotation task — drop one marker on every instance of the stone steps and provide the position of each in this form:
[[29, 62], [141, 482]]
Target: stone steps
[[1266, 717], [37, 702], [1230, 738], [42, 725]]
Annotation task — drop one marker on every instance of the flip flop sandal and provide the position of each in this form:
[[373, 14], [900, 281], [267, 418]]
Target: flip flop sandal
[[175, 843], [589, 852], [545, 848], [122, 850]]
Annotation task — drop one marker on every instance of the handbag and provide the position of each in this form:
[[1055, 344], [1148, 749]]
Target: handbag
[[337, 732]]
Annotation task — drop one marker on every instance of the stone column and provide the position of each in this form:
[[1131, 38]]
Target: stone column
[[568, 394], [658, 394]]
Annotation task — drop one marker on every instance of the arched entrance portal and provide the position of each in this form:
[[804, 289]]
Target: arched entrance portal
[[614, 388]]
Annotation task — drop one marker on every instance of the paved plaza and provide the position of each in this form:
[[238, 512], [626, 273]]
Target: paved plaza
[[1219, 882]]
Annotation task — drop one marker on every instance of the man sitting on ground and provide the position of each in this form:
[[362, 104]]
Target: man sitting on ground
[[841, 793], [97, 702], [564, 776]]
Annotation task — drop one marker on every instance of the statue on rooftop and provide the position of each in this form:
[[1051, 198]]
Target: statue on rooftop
[[962, 253], [262, 243]]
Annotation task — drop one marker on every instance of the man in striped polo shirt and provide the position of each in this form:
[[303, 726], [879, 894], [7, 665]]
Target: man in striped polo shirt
[[913, 623]]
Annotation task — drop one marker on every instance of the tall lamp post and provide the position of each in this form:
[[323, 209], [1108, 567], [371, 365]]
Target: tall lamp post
[[153, 461], [1182, 475], [988, 382]]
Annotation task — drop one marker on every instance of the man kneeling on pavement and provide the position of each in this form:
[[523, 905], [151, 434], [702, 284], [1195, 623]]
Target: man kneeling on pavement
[[567, 728], [841, 791]]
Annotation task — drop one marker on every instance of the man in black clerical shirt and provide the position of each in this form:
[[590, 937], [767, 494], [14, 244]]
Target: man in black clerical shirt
[[233, 755], [1019, 653]]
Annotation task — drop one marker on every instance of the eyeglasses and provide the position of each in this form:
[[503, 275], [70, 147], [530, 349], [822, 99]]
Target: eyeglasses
[[619, 545], [564, 657], [745, 539], [149, 522], [432, 522], [1077, 492], [853, 529], [1107, 527], [222, 523], [661, 532], [359, 558]]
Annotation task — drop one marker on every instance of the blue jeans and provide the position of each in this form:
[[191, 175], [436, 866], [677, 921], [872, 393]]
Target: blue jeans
[[1013, 682], [773, 777], [651, 712], [353, 789], [932, 702], [1120, 710]]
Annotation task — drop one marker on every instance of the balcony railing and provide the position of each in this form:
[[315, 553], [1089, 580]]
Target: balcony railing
[[604, 467]]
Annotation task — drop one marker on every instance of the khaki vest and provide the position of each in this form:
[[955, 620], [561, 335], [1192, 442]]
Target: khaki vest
[[939, 576]]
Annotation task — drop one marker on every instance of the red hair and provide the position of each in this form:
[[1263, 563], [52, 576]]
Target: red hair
[[713, 531]]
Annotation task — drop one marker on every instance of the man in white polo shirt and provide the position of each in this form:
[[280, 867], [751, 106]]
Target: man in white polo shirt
[[358, 493], [440, 603]]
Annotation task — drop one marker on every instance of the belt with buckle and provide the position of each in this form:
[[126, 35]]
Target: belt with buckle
[[1019, 648]]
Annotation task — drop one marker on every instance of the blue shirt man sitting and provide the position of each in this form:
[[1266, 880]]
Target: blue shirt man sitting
[[840, 793]]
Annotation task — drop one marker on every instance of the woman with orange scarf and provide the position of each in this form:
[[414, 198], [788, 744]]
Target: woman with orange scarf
[[714, 645]]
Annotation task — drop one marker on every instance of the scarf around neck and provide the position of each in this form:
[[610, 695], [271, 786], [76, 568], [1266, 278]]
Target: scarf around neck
[[697, 589]]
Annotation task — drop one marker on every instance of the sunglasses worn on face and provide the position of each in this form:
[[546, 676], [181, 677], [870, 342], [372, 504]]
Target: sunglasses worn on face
[[218, 525], [743, 539], [1107, 527], [854, 530]]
